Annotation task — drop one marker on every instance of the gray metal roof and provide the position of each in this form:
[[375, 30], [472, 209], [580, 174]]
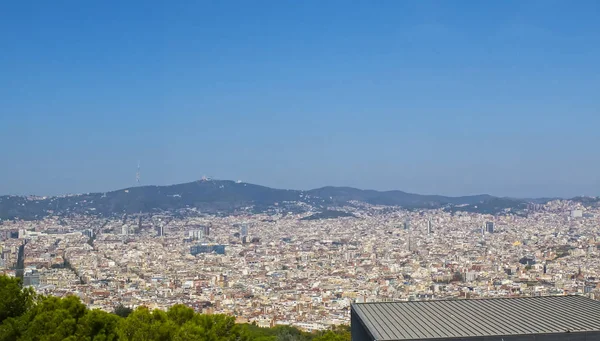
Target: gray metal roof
[[479, 317]]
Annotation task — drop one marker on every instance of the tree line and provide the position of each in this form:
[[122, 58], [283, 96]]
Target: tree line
[[27, 316]]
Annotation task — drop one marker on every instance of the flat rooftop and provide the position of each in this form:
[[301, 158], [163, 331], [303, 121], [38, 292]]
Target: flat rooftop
[[479, 317]]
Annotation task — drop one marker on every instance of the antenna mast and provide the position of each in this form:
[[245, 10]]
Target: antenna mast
[[137, 175]]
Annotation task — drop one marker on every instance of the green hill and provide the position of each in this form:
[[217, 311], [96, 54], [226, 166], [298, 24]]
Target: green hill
[[329, 214], [228, 197]]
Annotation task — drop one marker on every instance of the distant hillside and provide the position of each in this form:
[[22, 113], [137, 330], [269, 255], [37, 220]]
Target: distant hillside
[[329, 214], [588, 201], [226, 197], [210, 196], [392, 198], [492, 206]]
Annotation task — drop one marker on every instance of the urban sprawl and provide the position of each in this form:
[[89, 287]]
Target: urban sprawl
[[279, 269]]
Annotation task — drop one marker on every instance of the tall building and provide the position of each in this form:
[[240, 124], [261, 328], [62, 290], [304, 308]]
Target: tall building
[[125, 230], [244, 230], [429, 227], [88, 233], [489, 227], [411, 244], [471, 276], [407, 224], [160, 230], [196, 234]]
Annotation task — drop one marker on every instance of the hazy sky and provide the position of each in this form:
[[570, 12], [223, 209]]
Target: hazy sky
[[444, 97]]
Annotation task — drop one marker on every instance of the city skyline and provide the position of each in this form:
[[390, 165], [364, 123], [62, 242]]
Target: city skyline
[[280, 268]]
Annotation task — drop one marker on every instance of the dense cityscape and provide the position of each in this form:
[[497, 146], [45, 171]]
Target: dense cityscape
[[281, 269], [299, 171]]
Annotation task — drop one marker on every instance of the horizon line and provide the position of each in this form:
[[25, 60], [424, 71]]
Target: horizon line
[[303, 190]]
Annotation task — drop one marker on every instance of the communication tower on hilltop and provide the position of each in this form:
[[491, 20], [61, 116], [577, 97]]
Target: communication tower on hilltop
[[137, 175]]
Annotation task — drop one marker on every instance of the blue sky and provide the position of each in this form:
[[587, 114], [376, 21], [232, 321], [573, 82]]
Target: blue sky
[[444, 97]]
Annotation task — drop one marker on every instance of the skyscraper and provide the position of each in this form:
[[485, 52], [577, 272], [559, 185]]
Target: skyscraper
[[407, 224], [489, 227], [196, 234], [429, 227]]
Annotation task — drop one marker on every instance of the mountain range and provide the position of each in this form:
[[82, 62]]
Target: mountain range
[[229, 197]]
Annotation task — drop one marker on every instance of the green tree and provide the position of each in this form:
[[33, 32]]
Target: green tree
[[209, 327], [338, 333], [146, 325], [329, 336], [14, 299], [136, 326], [122, 310], [180, 314], [29, 317], [219, 327], [287, 333], [256, 333], [97, 325], [11, 329], [53, 318], [190, 332]]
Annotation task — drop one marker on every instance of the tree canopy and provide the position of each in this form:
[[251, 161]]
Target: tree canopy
[[25, 316], [14, 299]]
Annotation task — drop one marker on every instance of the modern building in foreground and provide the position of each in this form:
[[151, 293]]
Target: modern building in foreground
[[553, 318]]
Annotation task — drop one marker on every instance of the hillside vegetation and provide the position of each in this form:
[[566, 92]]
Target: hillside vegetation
[[225, 197]]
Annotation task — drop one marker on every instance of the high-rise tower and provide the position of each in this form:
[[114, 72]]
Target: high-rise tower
[[489, 227]]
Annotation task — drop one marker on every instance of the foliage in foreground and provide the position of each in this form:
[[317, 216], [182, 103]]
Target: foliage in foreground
[[25, 316]]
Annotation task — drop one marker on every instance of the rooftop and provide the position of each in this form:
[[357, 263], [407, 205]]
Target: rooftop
[[479, 317]]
